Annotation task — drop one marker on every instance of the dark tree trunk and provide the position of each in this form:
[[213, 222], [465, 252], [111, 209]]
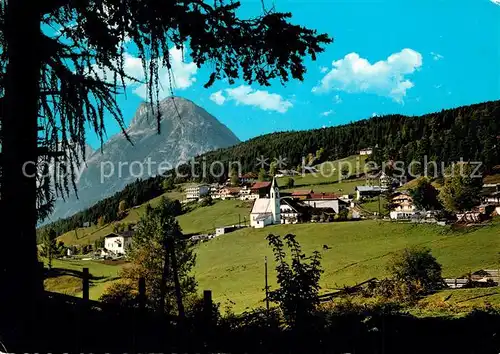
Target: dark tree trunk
[[164, 279], [20, 282], [178, 294]]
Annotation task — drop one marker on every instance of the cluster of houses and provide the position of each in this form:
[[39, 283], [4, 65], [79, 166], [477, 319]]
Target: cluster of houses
[[249, 191], [271, 207], [291, 209], [490, 204], [403, 207]]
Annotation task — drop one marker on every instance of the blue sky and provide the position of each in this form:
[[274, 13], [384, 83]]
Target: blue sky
[[388, 56]]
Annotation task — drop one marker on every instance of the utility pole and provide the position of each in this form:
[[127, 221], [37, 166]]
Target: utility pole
[[380, 186], [379, 215], [267, 288]]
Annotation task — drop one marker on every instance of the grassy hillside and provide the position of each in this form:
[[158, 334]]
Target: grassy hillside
[[233, 265], [329, 172], [222, 213], [200, 220], [66, 276], [344, 187]]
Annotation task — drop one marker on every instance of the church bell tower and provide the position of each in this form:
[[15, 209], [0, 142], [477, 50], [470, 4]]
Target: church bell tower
[[275, 202]]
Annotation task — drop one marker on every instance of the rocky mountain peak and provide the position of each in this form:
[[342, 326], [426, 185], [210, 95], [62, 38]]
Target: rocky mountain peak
[[187, 130]]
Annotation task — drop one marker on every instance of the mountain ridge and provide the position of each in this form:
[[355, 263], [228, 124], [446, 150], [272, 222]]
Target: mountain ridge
[[471, 132], [187, 130]]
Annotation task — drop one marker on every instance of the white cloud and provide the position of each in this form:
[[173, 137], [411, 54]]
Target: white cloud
[[438, 86], [496, 2], [183, 74], [327, 113], [218, 97], [374, 114], [131, 65], [386, 78], [437, 56], [337, 99], [323, 69], [248, 96]]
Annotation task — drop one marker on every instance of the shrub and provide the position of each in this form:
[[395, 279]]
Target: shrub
[[297, 295], [417, 268], [343, 214], [206, 201], [120, 293]]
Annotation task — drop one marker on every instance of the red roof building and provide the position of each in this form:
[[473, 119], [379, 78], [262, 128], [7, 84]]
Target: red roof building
[[261, 188], [301, 194], [261, 185], [323, 196]]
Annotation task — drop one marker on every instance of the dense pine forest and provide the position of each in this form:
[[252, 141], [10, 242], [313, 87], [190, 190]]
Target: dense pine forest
[[469, 132]]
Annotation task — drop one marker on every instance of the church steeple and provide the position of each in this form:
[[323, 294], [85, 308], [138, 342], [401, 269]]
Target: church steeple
[[275, 202]]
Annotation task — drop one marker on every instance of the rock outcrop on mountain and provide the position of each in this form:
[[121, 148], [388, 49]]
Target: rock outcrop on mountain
[[187, 130]]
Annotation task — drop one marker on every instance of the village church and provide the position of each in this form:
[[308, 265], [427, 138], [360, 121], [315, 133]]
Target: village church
[[266, 211]]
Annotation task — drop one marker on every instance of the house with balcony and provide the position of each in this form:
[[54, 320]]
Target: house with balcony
[[404, 208], [196, 192]]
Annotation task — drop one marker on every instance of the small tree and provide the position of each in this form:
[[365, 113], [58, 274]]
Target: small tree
[[168, 184], [272, 168], [206, 201], [425, 195], [262, 175], [461, 189], [160, 255], [344, 173], [290, 183], [100, 221], [50, 248], [319, 154], [417, 268], [122, 206], [343, 214], [235, 179], [99, 243], [297, 295]]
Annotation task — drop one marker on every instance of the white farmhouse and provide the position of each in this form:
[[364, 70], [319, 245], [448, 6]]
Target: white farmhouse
[[266, 211], [368, 191], [196, 192], [118, 243], [367, 151], [325, 201], [289, 214]]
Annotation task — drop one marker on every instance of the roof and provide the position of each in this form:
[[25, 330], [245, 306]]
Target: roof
[[262, 206], [233, 190], [302, 192], [125, 234], [199, 185], [402, 197], [263, 216], [249, 175], [323, 196], [284, 201], [369, 188], [261, 185]]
